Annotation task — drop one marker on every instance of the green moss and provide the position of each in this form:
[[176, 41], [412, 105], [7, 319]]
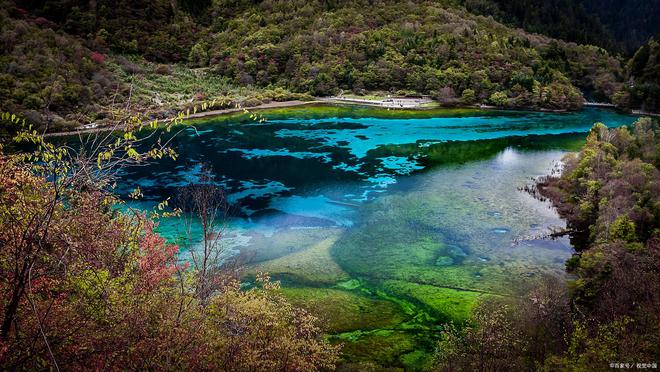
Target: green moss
[[382, 347], [448, 304], [343, 311]]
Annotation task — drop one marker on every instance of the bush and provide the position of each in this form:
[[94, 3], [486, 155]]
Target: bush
[[112, 279], [34, 102], [163, 70], [499, 99], [468, 97], [97, 58], [198, 56]]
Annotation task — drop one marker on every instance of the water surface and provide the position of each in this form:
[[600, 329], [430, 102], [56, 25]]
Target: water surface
[[386, 224]]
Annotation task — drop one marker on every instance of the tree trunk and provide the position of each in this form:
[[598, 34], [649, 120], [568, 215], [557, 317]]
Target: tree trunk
[[11, 309]]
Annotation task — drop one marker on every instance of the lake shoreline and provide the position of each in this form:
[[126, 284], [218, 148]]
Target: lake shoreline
[[198, 115], [319, 100]]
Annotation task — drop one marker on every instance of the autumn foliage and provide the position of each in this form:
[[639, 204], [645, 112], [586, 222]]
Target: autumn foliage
[[93, 288], [98, 58]]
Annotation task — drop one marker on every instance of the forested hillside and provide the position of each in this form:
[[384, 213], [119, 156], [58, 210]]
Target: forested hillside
[[562, 19], [630, 22], [618, 26], [643, 81], [72, 62]]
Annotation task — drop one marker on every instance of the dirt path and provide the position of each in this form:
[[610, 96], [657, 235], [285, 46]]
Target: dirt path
[[260, 107]]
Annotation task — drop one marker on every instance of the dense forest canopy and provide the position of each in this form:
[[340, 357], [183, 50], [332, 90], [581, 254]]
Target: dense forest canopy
[[643, 76], [562, 19], [618, 26], [632, 22], [67, 62]]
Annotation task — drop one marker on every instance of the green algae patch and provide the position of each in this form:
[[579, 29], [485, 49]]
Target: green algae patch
[[313, 265], [446, 303], [460, 152], [412, 251], [325, 110], [341, 311], [322, 110], [418, 360], [383, 347], [432, 153]]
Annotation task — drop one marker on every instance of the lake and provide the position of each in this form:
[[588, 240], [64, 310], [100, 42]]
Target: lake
[[385, 224]]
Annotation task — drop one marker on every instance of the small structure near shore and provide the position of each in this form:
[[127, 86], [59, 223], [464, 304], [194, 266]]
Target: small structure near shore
[[598, 104], [389, 102]]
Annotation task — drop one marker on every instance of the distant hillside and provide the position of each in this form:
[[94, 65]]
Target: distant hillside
[[642, 89], [421, 46], [616, 25], [562, 19], [67, 61], [631, 22]]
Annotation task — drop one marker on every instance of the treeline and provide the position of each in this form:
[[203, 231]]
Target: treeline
[[609, 194]]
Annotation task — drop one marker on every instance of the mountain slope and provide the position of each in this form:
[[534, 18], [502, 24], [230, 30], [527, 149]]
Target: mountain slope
[[423, 46], [618, 26], [562, 19], [642, 89], [305, 47], [631, 22]]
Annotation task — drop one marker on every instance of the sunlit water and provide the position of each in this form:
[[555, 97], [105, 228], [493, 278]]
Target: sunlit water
[[421, 206]]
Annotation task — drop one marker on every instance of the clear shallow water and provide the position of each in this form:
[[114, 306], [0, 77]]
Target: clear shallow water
[[417, 214]]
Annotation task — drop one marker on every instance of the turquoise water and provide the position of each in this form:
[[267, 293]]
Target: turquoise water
[[308, 166], [417, 213]]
